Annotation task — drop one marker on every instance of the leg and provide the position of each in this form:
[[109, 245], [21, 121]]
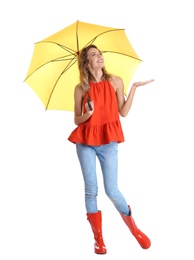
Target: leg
[[109, 163], [95, 220], [87, 158], [108, 157], [141, 238]]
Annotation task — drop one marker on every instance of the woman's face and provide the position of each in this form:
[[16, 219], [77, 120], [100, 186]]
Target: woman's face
[[95, 59]]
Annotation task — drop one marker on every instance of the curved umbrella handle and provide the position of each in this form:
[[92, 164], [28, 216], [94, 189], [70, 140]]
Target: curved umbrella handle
[[88, 101]]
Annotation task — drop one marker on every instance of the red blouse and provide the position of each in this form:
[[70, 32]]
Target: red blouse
[[104, 125]]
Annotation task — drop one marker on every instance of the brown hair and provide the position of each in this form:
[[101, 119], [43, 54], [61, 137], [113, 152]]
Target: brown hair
[[85, 75]]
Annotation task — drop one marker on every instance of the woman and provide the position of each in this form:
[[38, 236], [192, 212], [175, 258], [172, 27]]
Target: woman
[[99, 101]]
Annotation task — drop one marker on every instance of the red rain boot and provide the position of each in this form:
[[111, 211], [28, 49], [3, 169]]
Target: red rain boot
[[95, 220], [142, 239]]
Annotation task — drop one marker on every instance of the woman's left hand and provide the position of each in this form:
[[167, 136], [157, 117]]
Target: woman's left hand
[[142, 83]]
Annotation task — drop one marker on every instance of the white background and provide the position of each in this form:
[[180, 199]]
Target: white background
[[42, 212]]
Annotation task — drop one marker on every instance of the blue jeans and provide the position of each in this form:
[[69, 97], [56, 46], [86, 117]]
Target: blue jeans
[[108, 157]]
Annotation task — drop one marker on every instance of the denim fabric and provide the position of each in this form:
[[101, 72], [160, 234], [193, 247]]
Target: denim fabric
[[108, 157]]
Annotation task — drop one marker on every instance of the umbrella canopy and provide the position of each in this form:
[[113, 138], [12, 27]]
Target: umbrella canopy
[[53, 72]]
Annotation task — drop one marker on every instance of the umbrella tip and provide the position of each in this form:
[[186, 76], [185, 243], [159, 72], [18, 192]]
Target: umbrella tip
[[77, 53]]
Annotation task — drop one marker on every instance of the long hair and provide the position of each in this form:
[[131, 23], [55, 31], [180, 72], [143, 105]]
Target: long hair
[[85, 75]]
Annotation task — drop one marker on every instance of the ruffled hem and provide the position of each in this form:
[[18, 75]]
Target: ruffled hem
[[97, 135]]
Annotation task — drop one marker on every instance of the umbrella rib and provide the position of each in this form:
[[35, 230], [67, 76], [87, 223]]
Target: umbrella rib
[[66, 68], [108, 31], [71, 51], [122, 54], [54, 60], [77, 38]]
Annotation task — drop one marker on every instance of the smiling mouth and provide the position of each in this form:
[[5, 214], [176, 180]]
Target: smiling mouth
[[100, 61]]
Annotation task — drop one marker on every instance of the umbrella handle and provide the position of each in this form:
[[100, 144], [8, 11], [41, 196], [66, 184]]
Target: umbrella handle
[[88, 101]]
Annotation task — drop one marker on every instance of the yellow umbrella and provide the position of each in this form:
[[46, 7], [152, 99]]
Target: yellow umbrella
[[53, 71]]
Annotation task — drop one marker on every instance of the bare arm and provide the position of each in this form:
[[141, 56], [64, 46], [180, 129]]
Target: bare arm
[[124, 105], [79, 117]]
